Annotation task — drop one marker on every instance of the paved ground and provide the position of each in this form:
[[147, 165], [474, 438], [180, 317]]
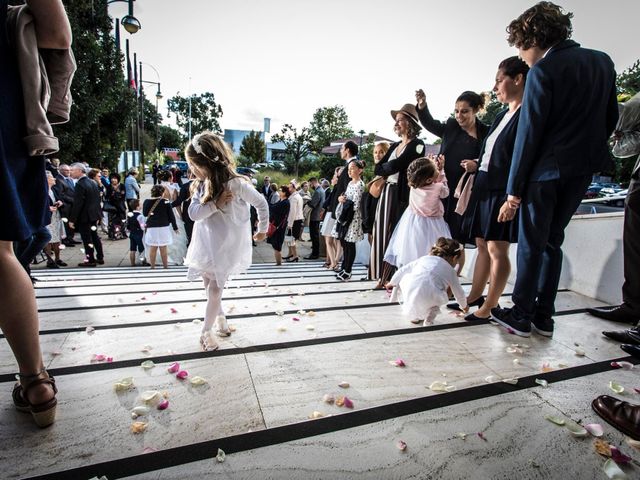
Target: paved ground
[[298, 336]]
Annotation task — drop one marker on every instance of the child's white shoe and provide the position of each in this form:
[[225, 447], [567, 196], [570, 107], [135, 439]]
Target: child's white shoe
[[208, 342], [220, 324]]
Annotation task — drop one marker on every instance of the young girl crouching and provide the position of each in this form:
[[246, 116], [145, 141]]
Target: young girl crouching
[[421, 286], [219, 208]]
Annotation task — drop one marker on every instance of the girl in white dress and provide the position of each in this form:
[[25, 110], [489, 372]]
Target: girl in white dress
[[178, 248], [219, 208], [421, 286], [423, 222]]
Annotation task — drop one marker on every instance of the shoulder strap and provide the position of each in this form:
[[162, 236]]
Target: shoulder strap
[[153, 207]]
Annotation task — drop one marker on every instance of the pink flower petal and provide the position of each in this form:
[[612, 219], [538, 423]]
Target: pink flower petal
[[163, 405], [295, 319], [174, 368], [481, 435], [149, 450], [98, 357], [143, 298], [400, 363], [402, 446], [173, 310], [619, 457], [182, 374], [109, 359], [594, 429], [347, 402], [154, 293]]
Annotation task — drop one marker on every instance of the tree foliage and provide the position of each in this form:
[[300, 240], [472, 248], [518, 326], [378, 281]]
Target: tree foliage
[[169, 138], [297, 145], [628, 82], [328, 124], [103, 105], [253, 147], [491, 111], [205, 113]]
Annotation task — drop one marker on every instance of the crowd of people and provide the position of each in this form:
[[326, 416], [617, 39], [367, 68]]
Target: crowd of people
[[518, 180]]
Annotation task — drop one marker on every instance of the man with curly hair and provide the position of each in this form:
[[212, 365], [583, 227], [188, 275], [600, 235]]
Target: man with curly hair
[[568, 112]]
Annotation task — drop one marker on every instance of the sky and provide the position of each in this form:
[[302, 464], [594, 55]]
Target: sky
[[284, 59]]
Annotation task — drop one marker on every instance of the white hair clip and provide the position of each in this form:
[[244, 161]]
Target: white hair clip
[[195, 141]]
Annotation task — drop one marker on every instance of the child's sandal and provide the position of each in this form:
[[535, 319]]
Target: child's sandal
[[207, 342], [44, 413]]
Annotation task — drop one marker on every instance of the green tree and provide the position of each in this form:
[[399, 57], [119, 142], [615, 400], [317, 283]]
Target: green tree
[[169, 138], [297, 145], [493, 108], [328, 124], [205, 113], [628, 82], [253, 147], [103, 105]]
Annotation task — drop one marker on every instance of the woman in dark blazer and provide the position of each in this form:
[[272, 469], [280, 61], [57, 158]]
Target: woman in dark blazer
[[462, 138], [480, 220], [395, 195], [278, 215]]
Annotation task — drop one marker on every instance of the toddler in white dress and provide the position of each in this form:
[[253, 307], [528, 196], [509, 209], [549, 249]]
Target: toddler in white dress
[[219, 208], [421, 286]]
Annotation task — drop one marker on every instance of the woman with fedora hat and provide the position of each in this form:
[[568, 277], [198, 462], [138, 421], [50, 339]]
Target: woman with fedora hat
[[462, 138], [394, 198]]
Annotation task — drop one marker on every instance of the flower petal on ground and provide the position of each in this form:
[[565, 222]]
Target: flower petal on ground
[[623, 365], [149, 396], [328, 398], [197, 381], [295, 319], [89, 330], [612, 471], [594, 429], [580, 352], [182, 374], [140, 410], [490, 379], [173, 310], [315, 414], [138, 427], [461, 435], [438, 386], [220, 456], [398, 363], [575, 429], [481, 435], [602, 448], [310, 327], [347, 402], [174, 368], [510, 381], [344, 384], [147, 364], [633, 443], [163, 405], [98, 357], [557, 420], [340, 401], [542, 382], [281, 328], [616, 387], [123, 384], [619, 457], [402, 446]]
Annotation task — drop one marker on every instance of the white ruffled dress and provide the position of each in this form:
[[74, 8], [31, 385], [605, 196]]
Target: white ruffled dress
[[221, 239]]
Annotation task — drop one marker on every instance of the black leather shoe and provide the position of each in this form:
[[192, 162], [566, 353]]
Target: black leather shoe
[[633, 350], [630, 337], [621, 313], [476, 303], [312, 257]]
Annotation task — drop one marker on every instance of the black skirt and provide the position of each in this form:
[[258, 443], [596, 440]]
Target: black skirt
[[296, 229], [480, 220]]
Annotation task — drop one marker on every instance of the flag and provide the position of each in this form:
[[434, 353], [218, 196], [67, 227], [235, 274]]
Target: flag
[[132, 82]]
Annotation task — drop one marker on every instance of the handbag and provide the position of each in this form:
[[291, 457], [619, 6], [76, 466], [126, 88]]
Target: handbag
[[108, 207], [463, 192], [289, 237], [376, 186]]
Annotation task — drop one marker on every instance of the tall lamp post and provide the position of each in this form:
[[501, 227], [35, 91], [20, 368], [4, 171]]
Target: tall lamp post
[[361, 132], [158, 97]]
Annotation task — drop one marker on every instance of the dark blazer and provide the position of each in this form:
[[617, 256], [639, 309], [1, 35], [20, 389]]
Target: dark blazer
[[63, 192], [413, 150], [184, 200], [86, 202], [568, 112], [500, 162], [316, 202], [339, 188]]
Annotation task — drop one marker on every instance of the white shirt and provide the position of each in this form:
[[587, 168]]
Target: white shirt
[[491, 141]]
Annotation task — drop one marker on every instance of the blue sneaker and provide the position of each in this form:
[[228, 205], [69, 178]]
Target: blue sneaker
[[504, 317]]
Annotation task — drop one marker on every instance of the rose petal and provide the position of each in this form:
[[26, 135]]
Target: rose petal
[[602, 448], [93, 228], [580, 352], [147, 364], [281, 328], [163, 405], [340, 401], [328, 398], [461, 435], [481, 435], [594, 429], [399, 363], [623, 365], [123, 384], [402, 446], [619, 457], [196, 321], [173, 310], [150, 396], [295, 319], [542, 382], [310, 327], [438, 386], [220, 456], [98, 357], [311, 313], [197, 381], [516, 361], [140, 411], [575, 429], [316, 414], [511, 381], [109, 359], [344, 385], [89, 330], [182, 374], [347, 402], [557, 420], [633, 443], [490, 379], [279, 313], [616, 387], [613, 471], [174, 368], [138, 427]]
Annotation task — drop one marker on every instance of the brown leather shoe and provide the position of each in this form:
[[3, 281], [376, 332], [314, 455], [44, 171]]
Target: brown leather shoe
[[621, 415]]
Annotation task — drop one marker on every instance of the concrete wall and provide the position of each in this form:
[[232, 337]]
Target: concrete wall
[[592, 257]]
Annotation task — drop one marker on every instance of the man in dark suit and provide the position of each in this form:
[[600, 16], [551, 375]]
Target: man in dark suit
[[316, 202], [568, 112], [63, 190], [183, 201], [348, 153], [86, 214], [265, 188]]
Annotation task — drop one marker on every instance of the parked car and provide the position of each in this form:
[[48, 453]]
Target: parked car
[[593, 192], [277, 165], [260, 166], [610, 190], [615, 200], [249, 172], [181, 164]]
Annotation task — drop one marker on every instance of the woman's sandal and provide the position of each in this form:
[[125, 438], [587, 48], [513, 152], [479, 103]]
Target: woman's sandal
[[207, 342], [44, 414]]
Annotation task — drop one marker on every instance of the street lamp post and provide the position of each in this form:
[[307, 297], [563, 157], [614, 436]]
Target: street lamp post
[[158, 97], [130, 23], [361, 132]]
